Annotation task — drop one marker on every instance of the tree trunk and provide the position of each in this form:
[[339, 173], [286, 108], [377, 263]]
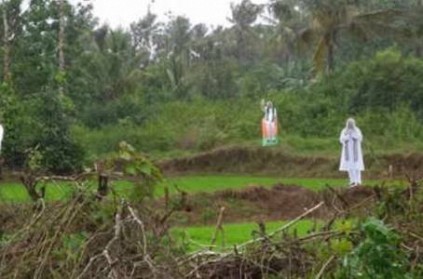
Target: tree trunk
[[30, 182], [330, 54], [419, 47], [61, 42], [418, 50], [6, 47], [241, 46], [103, 186]]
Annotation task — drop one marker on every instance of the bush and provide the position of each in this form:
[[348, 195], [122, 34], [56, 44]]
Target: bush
[[377, 256], [18, 125], [98, 142], [99, 114], [388, 81], [60, 152]]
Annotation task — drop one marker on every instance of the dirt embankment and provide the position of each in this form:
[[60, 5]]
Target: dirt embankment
[[275, 161], [281, 202], [248, 160]]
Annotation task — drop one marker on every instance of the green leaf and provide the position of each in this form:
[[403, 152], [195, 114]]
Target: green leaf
[[125, 155], [131, 170], [146, 169]]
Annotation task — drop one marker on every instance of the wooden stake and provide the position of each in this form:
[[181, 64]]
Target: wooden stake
[[218, 227]]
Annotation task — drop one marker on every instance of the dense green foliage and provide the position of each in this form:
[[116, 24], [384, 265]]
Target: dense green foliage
[[176, 87], [377, 256]]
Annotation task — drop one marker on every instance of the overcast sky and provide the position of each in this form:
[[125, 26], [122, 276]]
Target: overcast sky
[[123, 12]]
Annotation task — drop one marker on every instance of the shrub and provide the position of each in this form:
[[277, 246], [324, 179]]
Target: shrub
[[60, 152], [377, 256]]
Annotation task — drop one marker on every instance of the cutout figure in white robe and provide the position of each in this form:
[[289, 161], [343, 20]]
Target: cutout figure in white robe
[[269, 123], [352, 155]]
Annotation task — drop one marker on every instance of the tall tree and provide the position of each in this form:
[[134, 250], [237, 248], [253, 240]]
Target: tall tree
[[178, 39], [243, 16], [287, 17], [419, 46], [36, 51], [6, 47], [143, 33], [11, 21]]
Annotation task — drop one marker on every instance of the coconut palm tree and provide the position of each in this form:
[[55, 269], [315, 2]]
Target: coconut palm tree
[[330, 18], [243, 16], [288, 19]]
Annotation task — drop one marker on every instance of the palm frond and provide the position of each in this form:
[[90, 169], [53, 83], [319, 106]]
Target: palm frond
[[394, 24]]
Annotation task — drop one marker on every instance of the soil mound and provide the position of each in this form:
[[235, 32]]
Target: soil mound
[[253, 160], [242, 159], [281, 202], [411, 164]]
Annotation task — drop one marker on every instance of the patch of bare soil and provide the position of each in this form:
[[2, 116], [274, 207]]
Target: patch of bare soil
[[281, 202], [411, 164]]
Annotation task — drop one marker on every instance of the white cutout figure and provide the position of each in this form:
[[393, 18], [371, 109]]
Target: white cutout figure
[[352, 155]]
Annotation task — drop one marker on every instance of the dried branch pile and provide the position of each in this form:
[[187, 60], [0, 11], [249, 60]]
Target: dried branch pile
[[90, 238]]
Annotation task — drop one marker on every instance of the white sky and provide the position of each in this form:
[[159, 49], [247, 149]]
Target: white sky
[[123, 12]]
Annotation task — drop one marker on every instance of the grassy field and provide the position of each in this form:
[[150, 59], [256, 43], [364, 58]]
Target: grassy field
[[197, 238], [15, 192], [213, 183]]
